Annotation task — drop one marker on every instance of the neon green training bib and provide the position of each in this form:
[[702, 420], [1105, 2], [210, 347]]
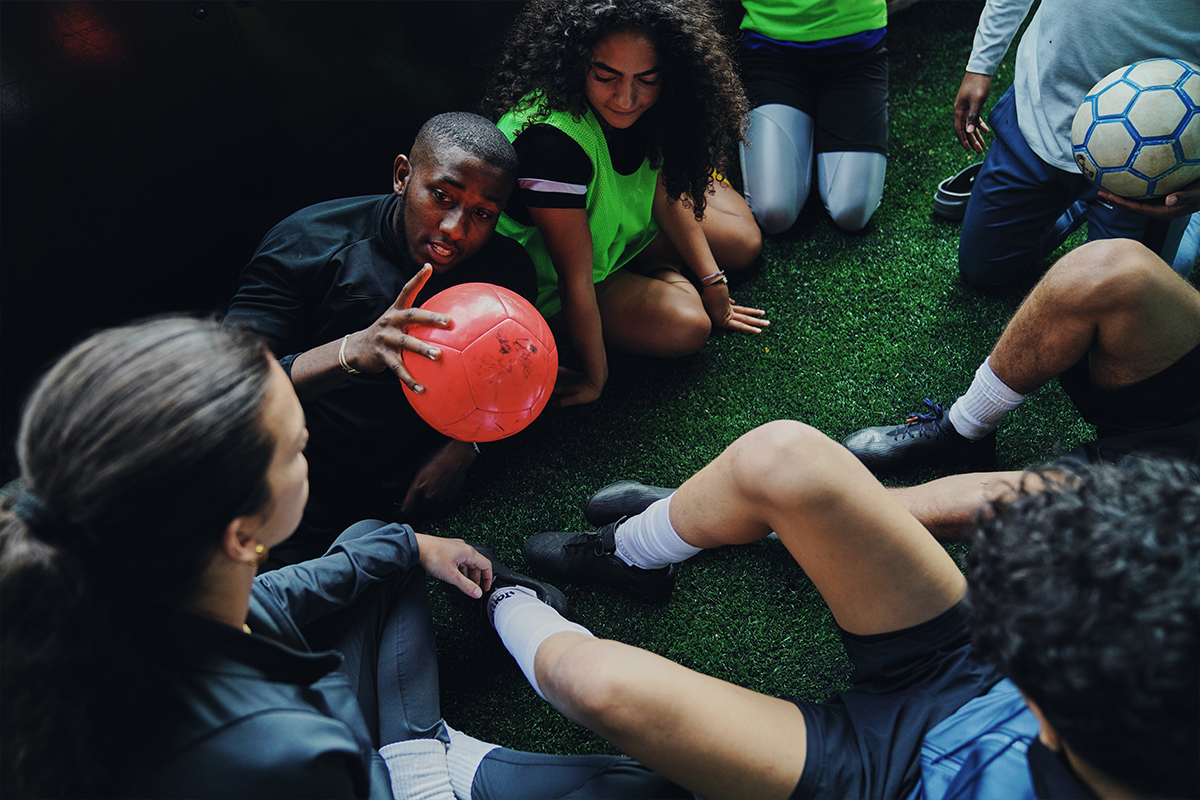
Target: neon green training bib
[[619, 207]]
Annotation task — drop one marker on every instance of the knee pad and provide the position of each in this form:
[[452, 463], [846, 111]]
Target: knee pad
[[851, 186], [777, 165]]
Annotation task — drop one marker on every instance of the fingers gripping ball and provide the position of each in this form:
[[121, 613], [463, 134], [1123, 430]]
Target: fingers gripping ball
[[497, 369], [1137, 132]]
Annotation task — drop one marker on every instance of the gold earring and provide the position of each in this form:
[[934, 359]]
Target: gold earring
[[262, 552]]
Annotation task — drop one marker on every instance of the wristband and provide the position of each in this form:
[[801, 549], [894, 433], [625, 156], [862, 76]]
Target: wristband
[[716, 277], [342, 357]]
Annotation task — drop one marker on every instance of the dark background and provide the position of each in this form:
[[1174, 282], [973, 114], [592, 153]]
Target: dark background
[[146, 147]]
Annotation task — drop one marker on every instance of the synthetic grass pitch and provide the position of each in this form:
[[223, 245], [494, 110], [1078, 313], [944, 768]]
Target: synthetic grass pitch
[[863, 326]]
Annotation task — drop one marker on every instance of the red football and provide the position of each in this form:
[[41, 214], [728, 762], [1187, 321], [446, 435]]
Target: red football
[[497, 368]]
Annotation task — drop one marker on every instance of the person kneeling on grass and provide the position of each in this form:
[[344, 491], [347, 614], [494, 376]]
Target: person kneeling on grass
[[1069, 666], [1121, 332]]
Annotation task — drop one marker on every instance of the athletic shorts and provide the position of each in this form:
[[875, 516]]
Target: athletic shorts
[[1159, 416], [846, 93], [865, 742]]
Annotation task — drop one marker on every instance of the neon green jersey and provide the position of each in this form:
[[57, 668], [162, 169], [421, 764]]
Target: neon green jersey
[[813, 20], [618, 206]]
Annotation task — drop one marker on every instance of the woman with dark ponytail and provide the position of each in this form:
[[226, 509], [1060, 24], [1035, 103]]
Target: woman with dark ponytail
[[141, 656]]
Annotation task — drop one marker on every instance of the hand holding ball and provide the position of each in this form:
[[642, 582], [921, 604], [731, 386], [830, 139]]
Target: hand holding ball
[[1137, 132], [497, 368]]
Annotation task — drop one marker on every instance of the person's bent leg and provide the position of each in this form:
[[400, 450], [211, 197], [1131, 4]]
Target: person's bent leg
[[777, 165], [950, 507], [388, 653], [1111, 301], [717, 739], [876, 567], [874, 564], [659, 314], [1016, 200], [504, 774], [837, 521], [851, 186], [733, 235], [729, 230]]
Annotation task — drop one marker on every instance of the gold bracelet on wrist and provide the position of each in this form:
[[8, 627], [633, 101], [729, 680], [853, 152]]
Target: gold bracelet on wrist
[[342, 357]]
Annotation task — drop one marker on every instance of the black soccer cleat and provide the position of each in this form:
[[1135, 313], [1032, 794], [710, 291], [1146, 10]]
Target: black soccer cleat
[[923, 438], [503, 576], [591, 558], [621, 499]]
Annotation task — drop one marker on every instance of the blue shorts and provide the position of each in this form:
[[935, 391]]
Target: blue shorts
[[865, 742]]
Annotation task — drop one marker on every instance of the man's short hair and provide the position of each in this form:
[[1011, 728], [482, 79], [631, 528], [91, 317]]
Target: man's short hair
[[470, 132], [1087, 596]]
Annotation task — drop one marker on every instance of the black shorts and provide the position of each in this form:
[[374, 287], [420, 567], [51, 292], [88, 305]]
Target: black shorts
[[1159, 416], [846, 93], [865, 742]]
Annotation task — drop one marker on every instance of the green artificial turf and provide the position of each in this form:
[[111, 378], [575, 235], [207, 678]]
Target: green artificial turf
[[863, 326]]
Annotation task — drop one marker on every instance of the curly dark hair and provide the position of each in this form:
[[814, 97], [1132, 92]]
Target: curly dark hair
[[1087, 595], [700, 115]]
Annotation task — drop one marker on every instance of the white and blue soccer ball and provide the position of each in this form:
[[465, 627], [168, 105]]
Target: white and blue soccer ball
[[1137, 132]]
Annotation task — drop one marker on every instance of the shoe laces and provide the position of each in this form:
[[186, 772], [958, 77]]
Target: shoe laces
[[921, 424], [595, 541]]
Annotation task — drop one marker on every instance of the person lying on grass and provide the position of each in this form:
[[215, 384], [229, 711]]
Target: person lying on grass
[[1067, 662]]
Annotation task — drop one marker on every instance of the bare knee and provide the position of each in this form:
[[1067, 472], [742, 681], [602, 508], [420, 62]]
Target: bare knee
[[1105, 275], [589, 682], [784, 459], [743, 247], [688, 329]]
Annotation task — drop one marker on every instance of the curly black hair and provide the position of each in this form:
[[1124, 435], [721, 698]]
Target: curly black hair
[[700, 115], [1087, 595]]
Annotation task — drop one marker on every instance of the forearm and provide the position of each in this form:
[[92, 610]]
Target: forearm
[[685, 234], [364, 554], [582, 315], [316, 371]]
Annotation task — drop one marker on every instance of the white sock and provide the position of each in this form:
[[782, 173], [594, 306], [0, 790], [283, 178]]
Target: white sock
[[463, 757], [648, 540], [976, 413], [418, 769], [524, 622]]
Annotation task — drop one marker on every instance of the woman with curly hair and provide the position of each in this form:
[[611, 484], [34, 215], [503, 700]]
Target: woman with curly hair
[[621, 111]]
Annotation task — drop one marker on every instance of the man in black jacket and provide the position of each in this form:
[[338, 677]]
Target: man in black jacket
[[333, 289]]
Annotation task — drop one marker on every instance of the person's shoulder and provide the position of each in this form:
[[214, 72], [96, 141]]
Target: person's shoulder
[[548, 152], [308, 239], [334, 215], [544, 134]]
